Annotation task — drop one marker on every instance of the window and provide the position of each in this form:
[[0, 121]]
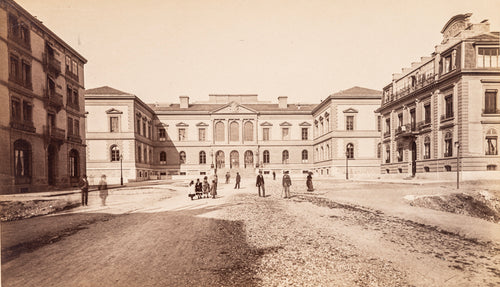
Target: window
[[149, 131], [75, 97], [305, 156], [182, 157], [138, 126], [248, 131], [387, 154], [145, 155], [26, 74], [327, 125], [14, 68], [350, 150], [73, 164], [265, 134], [113, 124], [144, 128], [203, 157], [150, 156], [201, 134], [182, 134], [427, 148], [68, 64], [234, 134], [448, 106], [379, 150], [349, 123], [487, 58], [305, 133], [490, 102], [400, 120], [76, 127], [446, 64], [491, 167], [491, 142], [75, 68], [27, 112], [139, 154], [16, 109], [400, 153], [219, 131], [448, 144], [115, 153], [163, 157], [285, 135], [379, 123], [284, 157], [22, 162], [162, 134], [388, 125], [427, 114], [265, 156], [70, 126], [413, 120]]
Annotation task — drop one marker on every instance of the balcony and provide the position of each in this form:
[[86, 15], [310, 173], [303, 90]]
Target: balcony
[[54, 99], [424, 82], [70, 75], [405, 130], [75, 138], [54, 133], [23, 126], [53, 65], [446, 117], [25, 42], [423, 125]]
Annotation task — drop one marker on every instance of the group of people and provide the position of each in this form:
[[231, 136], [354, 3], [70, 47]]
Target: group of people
[[102, 187], [203, 189], [286, 183]]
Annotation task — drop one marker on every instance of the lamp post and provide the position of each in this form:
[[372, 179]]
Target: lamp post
[[457, 144], [121, 169], [346, 165]]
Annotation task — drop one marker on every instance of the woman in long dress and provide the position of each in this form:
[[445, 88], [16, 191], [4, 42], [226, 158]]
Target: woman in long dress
[[206, 187], [309, 182]]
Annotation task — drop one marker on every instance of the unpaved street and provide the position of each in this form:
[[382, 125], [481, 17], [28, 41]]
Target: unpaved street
[[156, 236]]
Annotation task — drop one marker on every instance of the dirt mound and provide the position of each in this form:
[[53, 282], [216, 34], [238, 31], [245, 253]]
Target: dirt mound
[[479, 204]]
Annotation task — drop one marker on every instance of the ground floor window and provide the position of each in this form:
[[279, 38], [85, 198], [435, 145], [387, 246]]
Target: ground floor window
[[265, 156], [427, 148], [448, 145], [491, 142], [73, 163], [22, 162]]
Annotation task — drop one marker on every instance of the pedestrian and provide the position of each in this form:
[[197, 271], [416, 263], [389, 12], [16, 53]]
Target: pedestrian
[[274, 175], [260, 184], [309, 182], [206, 187], [191, 190], [84, 186], [228, 175], [215, 181], [103, 190], [238, 179], [213, 189], [198, 187], [287, 182]]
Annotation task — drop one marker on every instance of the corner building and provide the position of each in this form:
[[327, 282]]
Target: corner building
[[445, 108], [42, 112]]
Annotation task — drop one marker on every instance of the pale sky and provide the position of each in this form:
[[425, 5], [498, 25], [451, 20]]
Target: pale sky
[[306, 50]]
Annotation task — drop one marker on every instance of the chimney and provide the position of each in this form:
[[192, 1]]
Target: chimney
[[184, 100], [282, 102]]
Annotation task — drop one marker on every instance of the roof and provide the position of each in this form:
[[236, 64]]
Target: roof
[[105, 90], [264, 107], [357, 92], [492, 36]]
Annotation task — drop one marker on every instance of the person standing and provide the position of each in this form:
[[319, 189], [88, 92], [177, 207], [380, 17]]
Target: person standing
[[213, 189], [260, 183], [238, 179], [198, 187], [103, 190], [84, 186], [309, 182], [287, 182], [228, 175], [215, 181], [274, 175], [206, 187]]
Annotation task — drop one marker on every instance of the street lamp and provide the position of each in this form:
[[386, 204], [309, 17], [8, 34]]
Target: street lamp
[[347, 164], [457, 144], [121, 169]]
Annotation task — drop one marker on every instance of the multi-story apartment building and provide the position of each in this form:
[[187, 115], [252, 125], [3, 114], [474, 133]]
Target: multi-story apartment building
[[41, 105], [443, 112], [347, 133]]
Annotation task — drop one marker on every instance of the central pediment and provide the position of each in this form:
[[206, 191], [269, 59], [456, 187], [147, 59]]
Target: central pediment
[[234, 108]]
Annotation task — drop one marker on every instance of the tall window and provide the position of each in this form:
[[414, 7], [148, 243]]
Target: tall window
[[113, 124], [16, 109], [284, 157], [400, 120], [487, 58], [305, 156], [448, 144], [145, 155], [491, 142], [219, 131], [448, 106], [73, 163], [27, 112], [139, 154], [387, 125], [350, 150], [387, 154], [285, 133], [70, 126], [265, 134], [265, 157], [413, 119], [427, 148], [203, 157], [162, 134], [379, 123], [201, 134], [234, 134], [349, 123], [427, 113], [138, 126], [144, 131], [400, 152], [182, 134], [163, 157], [182, 157], [76, 127], [22, 162], [379, 150], [490, 102], [14, 68], [305, 133], [248, 131]]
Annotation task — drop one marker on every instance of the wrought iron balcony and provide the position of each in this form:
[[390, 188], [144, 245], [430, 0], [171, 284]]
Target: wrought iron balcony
[[446, 117], [408, 90], [23, 125], [53, 65], [75, 138], [53, 98], [54, 133], [72, 76], [405, 130], [423, 125]]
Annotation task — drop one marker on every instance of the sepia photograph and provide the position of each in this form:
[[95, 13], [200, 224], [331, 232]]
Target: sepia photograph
[[249, 143]]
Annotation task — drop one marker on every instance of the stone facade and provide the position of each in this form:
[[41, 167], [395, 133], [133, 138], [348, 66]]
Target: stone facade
[[443, 112], [42, 109]]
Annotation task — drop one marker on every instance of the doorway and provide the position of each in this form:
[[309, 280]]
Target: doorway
[[248, 159], [234, 159], [413, 158]]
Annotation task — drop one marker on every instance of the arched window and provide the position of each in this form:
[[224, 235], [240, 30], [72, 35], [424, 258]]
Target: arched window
[[322, 154], [350, 150], [284, 157], [234, 134], [22, 162], [328, 151], [182, 157], [305, 156], [219, 131], [448, 144], [115, 153], [248, 131], [220, 159], [491, 142], [427, 148], [73, 164], [203, 157], [265, 157], [163, 157]]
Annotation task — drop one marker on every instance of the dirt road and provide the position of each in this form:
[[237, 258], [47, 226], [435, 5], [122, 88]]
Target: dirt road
[[156, 236]]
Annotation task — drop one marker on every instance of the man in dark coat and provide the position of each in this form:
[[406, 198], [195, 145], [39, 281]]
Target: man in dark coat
[[260, 184], [287, 182], [84, 186], [238, 179]]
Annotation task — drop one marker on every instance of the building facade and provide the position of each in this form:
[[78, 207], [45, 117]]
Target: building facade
[[347, 134], [443, 112], [42, 108]]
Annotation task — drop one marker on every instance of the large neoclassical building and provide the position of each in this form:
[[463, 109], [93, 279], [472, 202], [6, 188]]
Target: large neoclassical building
[[130, 140]]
